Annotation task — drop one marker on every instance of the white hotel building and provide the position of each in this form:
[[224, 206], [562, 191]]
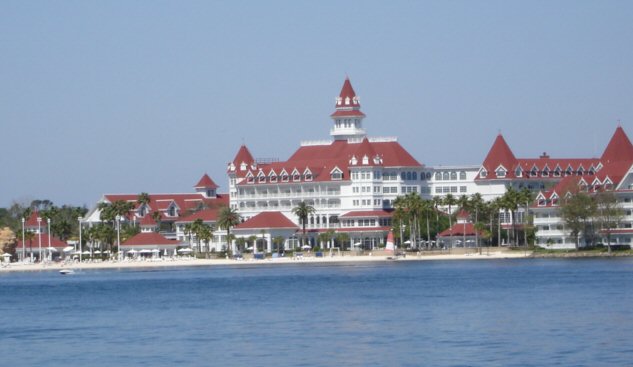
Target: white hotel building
[[352, 179]]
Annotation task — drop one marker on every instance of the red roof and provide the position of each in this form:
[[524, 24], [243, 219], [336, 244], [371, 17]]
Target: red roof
[[459, 229], [347, 113], [243, 156], [266, 220], [147, 221], [147, 239], [34, 243], [31, 222], [347, 91], [183, 201], [463, 214], [368, 214], [206, 182], [322, 159], [207, 215], [619, 148], [499, 154]]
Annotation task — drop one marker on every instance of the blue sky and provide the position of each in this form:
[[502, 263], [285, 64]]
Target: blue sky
[[124, 97]]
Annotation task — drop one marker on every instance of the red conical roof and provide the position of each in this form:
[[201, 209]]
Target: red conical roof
[[206, 182], [499, 154], [347, 92], [243, 156], [619, 148], [347, 103]]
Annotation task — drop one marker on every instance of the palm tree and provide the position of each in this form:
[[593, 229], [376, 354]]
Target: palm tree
[[28, 236], [427, 209], [303, 211], [510, 202], [477, 203], [143, 199], [449, 200], [228, 218], [525, 197], [341, 238], [278, 241], [157, 218]]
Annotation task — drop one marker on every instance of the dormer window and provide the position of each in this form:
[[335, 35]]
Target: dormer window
[[353, 161], [307, 175], [542, 201], [569, 171], [284, 178], [296, 176], [249, 178], [483, 173], [557, 171], [243, 166], [501, 172], [171, 211], [534, 172], [210, 193], [518, 172], [272, 176], [336, 174], [581, 171], [365, 160], [554, 200], [546, 172], [592, 171]]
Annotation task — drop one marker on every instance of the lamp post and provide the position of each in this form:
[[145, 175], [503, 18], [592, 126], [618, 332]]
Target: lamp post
[[118, 235], [80, 249], [23, 242], [48, 220], [39, 238]]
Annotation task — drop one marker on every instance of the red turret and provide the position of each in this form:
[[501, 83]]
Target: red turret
[[619, 148]]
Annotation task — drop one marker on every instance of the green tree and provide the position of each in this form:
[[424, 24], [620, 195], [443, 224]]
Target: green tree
[[449, 200], [227, 219], [608, 213], [303, 211], [576, 211]]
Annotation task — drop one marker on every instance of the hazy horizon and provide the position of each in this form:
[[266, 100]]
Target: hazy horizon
[[119, 97]]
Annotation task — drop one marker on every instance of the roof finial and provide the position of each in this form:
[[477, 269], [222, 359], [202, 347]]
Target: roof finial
[[619, 123]]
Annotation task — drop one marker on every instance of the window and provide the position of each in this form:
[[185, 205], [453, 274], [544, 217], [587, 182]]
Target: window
[[501, 173], [453, 189], [462, 175], [462, 189], [438, 176], [453, 176], [438, 190], [518, 172], [445, 176], [483, 173]]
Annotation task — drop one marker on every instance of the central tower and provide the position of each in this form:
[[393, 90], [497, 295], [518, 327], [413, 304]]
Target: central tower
[[348, 120]]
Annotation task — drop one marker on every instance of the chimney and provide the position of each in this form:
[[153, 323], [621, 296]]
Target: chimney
[[544, 155]]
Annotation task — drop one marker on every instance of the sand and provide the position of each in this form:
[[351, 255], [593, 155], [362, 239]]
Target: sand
[[308, 259]]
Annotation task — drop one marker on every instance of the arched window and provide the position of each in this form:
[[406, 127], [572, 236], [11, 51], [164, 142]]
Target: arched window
[[462, 175], [445, 176], [453, 176]]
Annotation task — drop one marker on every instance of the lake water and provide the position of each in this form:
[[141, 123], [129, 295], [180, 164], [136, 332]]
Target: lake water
[[440, 313]]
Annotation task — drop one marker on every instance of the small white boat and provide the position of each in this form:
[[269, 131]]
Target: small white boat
[[66, 271]]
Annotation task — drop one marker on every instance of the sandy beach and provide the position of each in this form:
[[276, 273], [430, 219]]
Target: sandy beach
[[308, 259]]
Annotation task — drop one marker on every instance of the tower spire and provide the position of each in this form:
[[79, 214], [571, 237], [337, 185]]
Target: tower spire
[[348, 119]]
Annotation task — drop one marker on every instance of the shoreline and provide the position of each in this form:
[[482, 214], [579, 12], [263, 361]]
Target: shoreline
[[379, 257]]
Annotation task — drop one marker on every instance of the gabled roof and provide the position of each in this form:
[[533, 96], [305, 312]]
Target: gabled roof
[[147, 221], [55, 242], [207, 215], [368, 214], [183, 201], [267, 220], [460, 230], [322, 159], [619, 148], [206, 182], [148, 239]]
